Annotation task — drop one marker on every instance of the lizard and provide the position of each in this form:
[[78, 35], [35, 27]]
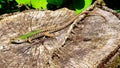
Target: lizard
[[48, 32]]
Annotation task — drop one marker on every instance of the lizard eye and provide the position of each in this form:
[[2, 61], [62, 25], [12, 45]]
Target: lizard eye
[[18, 40]]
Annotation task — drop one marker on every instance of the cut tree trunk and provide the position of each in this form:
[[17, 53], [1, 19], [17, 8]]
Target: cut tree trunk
[[87, 43]]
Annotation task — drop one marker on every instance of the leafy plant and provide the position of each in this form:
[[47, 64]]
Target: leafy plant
[[11, 5], [26, 2], [39, 4], [7, 6], [58, 3], [81, 5]]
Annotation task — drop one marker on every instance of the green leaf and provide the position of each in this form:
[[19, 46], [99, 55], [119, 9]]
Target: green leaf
[[0, 6], [26, 2], [39, 4], [55, 2], [118, 11], [10, 0], [2, 1], [81, 5]]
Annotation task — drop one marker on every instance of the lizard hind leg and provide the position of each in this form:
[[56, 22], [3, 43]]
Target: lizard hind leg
[[49, 34], [29, 40]]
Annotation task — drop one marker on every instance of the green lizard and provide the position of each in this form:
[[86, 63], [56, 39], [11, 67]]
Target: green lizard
[[25, 36], [48, 32]]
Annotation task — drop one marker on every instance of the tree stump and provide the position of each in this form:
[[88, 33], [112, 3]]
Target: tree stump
[[87, 43]]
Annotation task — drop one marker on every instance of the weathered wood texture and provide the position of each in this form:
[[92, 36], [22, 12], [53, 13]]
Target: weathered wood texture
[[88, 45]]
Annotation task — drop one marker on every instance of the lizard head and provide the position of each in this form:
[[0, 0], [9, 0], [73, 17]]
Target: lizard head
[[17, 40]]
